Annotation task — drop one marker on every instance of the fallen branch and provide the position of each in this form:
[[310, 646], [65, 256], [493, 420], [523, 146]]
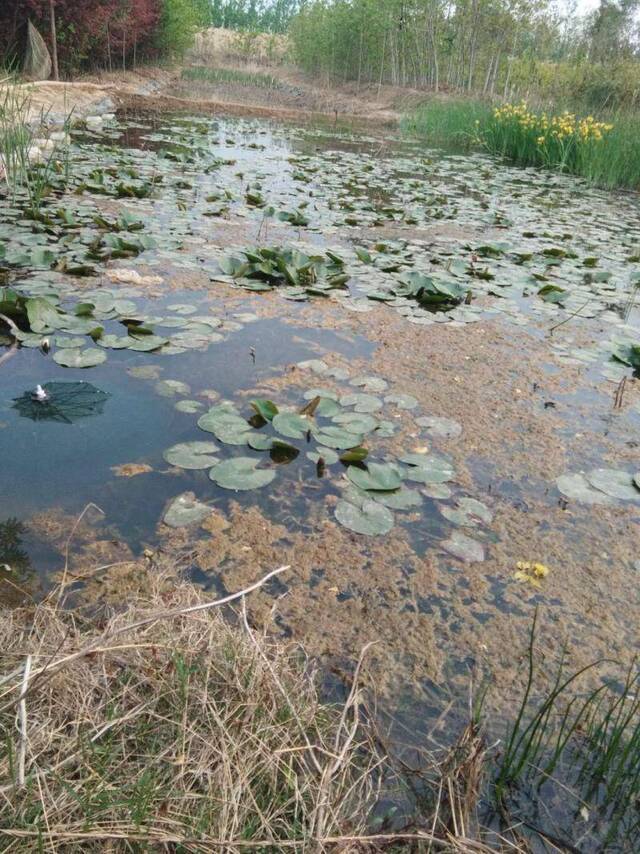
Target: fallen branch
[[22, 719]]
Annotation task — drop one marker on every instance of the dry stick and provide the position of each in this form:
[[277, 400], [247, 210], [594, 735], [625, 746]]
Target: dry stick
[[67, 547], [176, 612], [22, 718], [567, 319], [11, 352]]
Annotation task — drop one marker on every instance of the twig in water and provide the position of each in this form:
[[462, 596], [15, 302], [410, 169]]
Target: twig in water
[[618, 396], [22, 720], [67, 546], [567, 319]]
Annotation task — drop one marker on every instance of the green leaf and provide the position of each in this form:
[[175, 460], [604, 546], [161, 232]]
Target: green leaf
[[79, 358], [354, 455], [615, 483], [372, 519], [192, 455], [291, 425], [42, 315], [265, 408], [241, 473], [376, 476]]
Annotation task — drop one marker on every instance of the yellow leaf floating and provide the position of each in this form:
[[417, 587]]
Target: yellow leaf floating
[[531, 572]]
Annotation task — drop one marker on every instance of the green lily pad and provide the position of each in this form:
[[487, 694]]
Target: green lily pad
[[362, 402], [464, 548], [372, 519], [335, 437], [170, 388], [114, 342], [578, 488], [403, 499], [291, 425], [375, 384], [329, 456], [437, 490], [265, 408], [79, 358], [147, 343], [241, 473], [428, 469], [356, 422], [188, 406], [186, 510], [192, 455], [226, 426], [469, 513], [354, 455], [377, 476], [402, 401], [440, 428], [260, 442], [615, 483]]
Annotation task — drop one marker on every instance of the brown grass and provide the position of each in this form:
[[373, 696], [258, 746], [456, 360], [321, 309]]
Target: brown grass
[[179, 731]]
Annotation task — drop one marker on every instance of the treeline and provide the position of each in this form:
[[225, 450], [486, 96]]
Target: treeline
[[106, 34], [492, 47], [271, 16]]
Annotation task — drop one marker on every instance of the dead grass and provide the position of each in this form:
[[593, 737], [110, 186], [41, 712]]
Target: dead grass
[[140, 730]]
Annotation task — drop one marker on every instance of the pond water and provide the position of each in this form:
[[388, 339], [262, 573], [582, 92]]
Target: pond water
[[468, 328]]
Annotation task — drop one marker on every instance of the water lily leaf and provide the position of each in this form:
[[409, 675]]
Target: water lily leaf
[[327, 408], [464, 548], [428, 469], [291, 425], [403, 499], [170, 388], [320, 392], [402, 401], [330, 457], [79, 358], [469, 513], [362, 402], [372, 519], [354, 455], [42, 315], [265, 408], [227, 427], [440, 428], [186, 510], [147, 343], [376, 476], [337, 437], [356, 422], [636, 479], [577, 487], [114, 342], [241, 473], [614, 482], [376, 384], [437, 490], [188, 406], [260, 442], [192, 455]]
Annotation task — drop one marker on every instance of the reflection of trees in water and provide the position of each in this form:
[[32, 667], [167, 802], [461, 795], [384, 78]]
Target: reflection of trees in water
[[11, 551]]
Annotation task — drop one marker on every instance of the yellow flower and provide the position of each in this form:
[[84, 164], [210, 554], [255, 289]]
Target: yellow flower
[[530, 572], [541, 140]]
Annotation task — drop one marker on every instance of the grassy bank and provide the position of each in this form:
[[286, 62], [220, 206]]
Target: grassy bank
[[160, 725], [604, 149]]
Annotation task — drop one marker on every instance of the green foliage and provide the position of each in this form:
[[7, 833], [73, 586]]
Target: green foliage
[[203, 74], [179, 21], [447, 122], [256, 15]]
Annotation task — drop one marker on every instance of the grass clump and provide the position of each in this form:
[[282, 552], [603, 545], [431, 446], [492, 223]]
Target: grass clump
[[447, 123], [216, 76], [152, 727]]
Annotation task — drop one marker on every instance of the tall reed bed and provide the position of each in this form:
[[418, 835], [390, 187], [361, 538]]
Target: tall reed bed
[[202, 74]]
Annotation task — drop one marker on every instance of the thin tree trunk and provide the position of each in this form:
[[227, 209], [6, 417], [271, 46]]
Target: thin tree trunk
[[54, 39], [109, 47], [124, 50]]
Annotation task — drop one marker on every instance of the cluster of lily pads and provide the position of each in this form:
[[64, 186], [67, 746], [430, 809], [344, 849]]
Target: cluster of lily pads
[[105, 318], [601, 486], [263, 269], [336, 436]]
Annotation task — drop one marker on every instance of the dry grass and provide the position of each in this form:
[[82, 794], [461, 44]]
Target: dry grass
[[177, 733]]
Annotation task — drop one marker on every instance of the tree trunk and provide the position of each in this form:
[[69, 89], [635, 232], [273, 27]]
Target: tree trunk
[[54, 39]]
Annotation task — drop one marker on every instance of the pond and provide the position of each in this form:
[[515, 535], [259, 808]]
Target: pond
[[408, 374]]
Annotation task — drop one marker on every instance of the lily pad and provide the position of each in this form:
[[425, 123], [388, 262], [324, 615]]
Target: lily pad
[[336, 437], [327, 454], [188, 406], [356, 422], [226, 426], [291, 425], [372, 519], [170, 388], [241, 473], [377, 476], [403, 499], [265, 408], [72, 358], [192, 455], [354, 455], [615, 483], [402, 401], [186, 510], [362, 402], [578, 488], [440, 428], [464, 548], [428, 469]]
